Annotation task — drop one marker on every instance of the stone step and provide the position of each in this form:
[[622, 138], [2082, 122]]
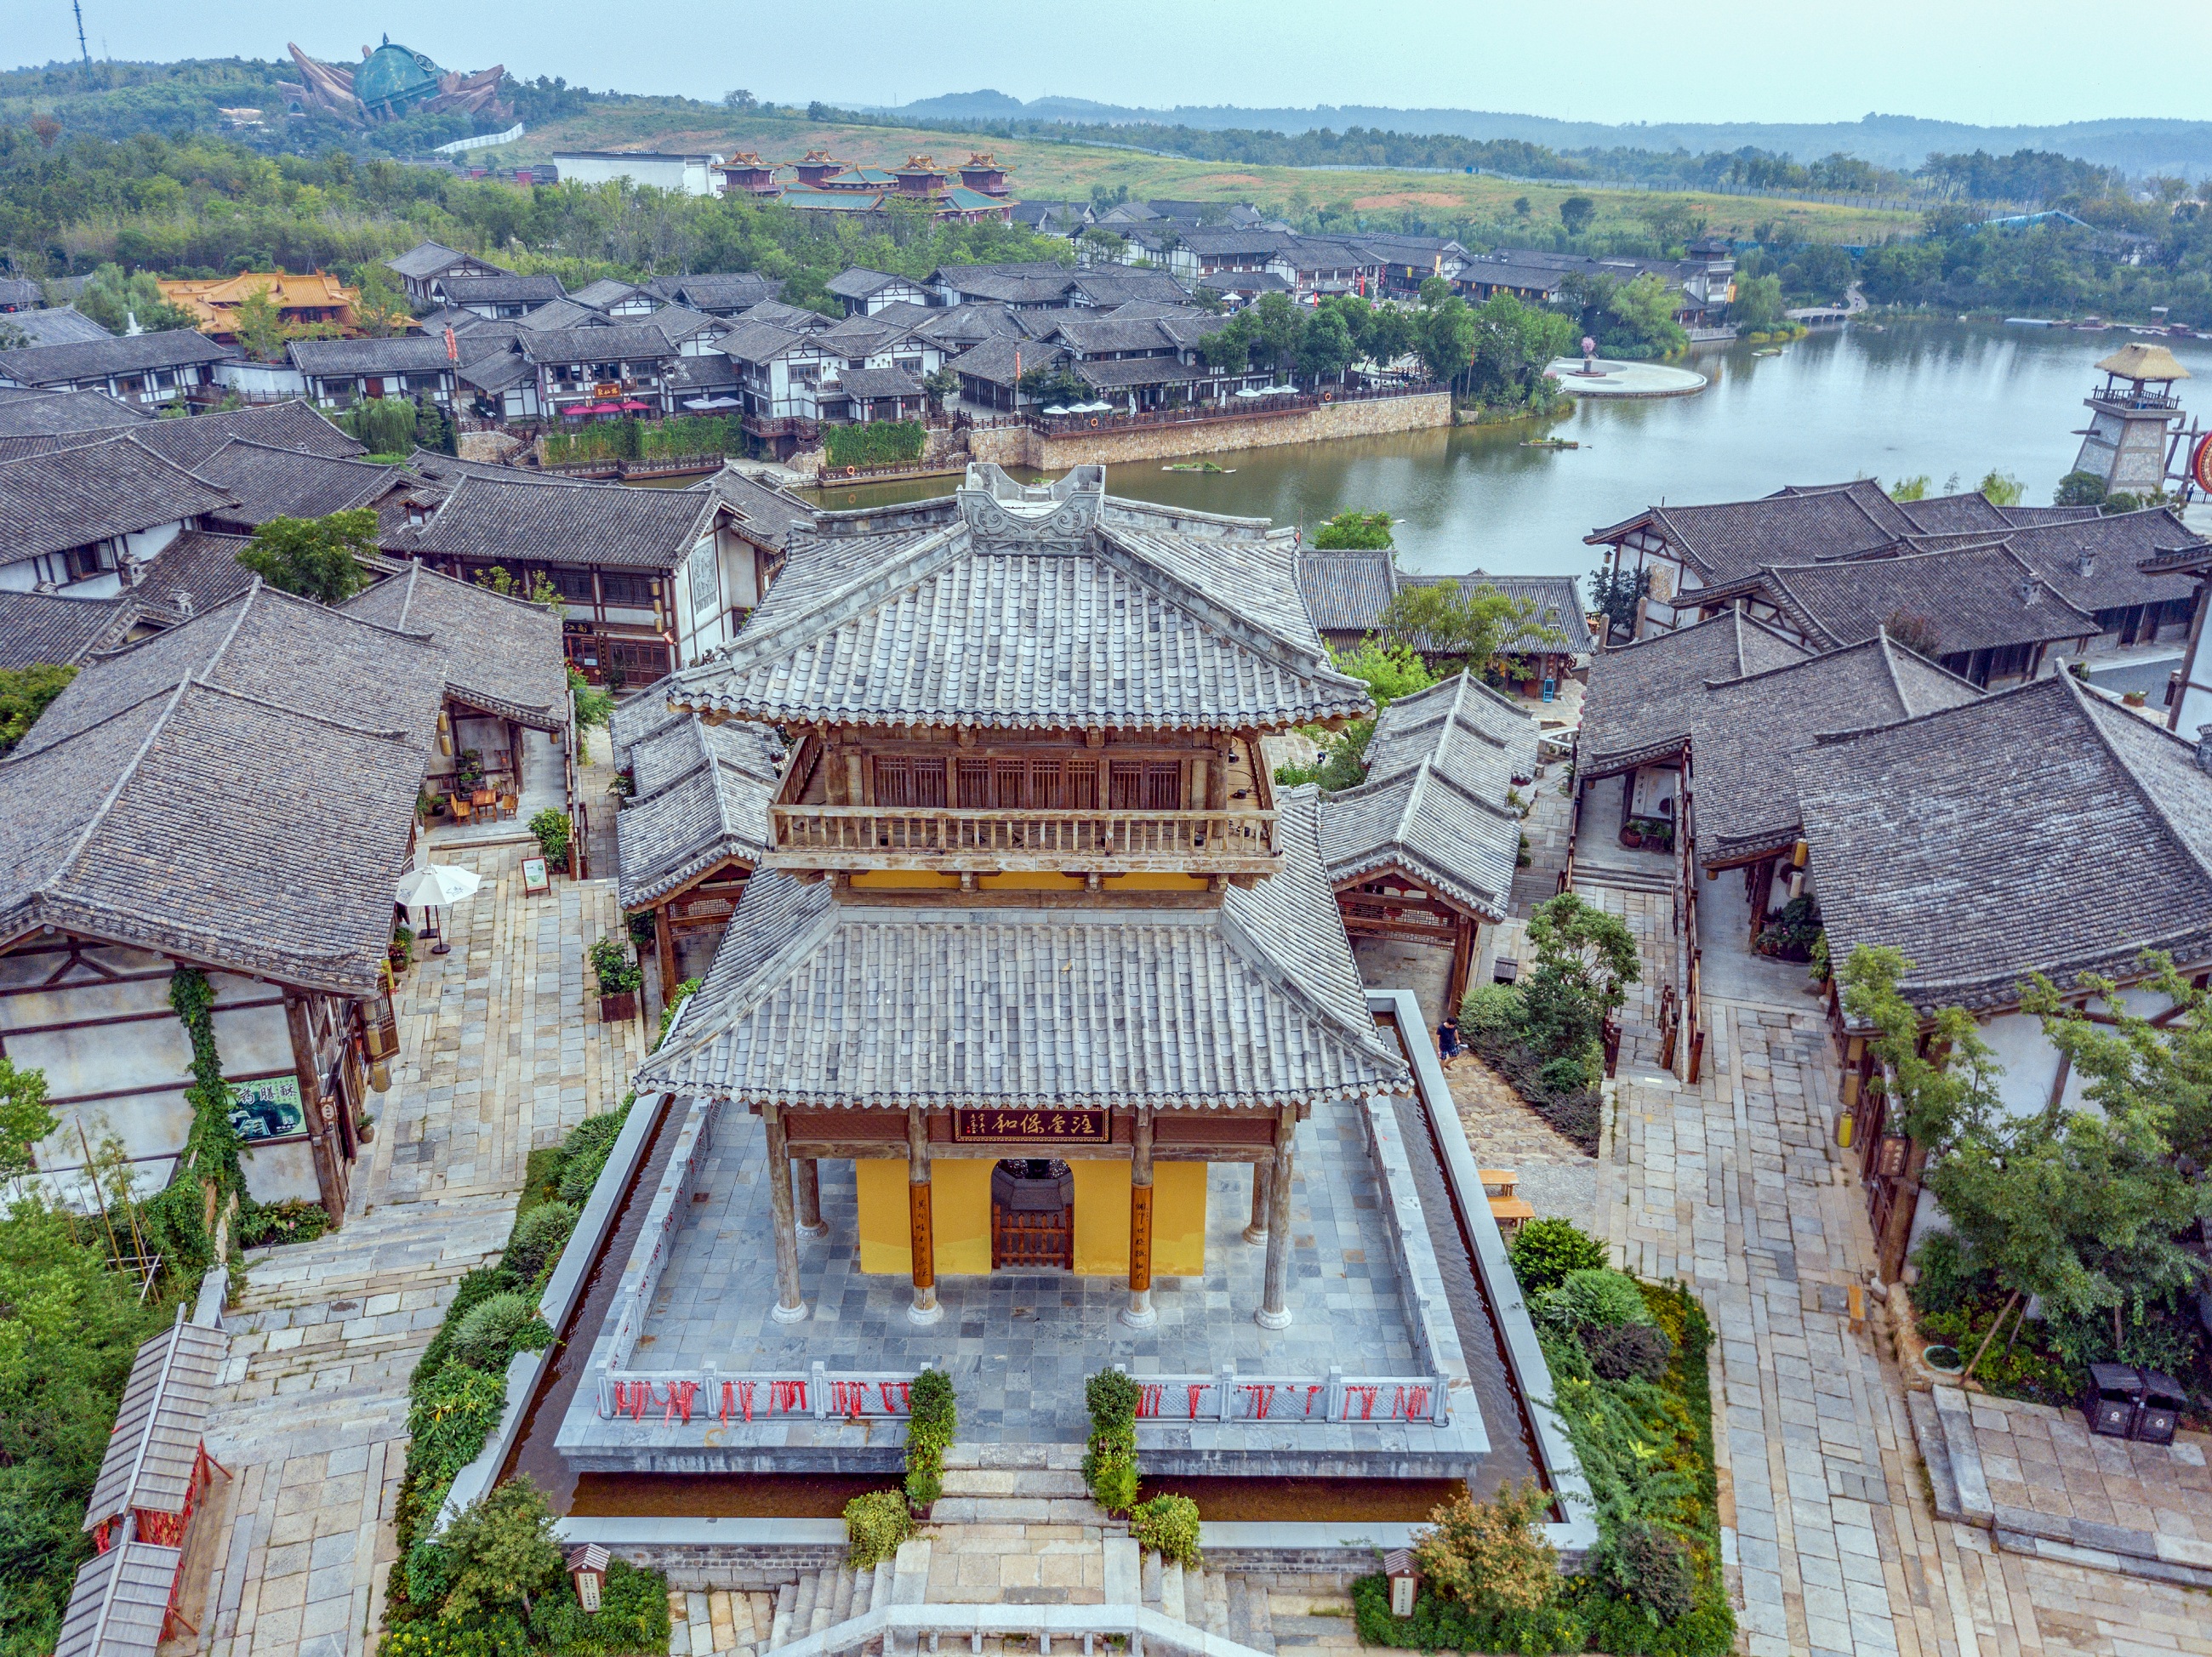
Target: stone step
[[1623, 880], [1155, 1574], [1261, 1623], [802, 1608], [1172, 1598], [1016, 1510], [787, 1601], [1051, 1484], [1214, 1608]]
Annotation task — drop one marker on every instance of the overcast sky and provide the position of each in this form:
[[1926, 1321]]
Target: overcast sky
[[1987, 61]]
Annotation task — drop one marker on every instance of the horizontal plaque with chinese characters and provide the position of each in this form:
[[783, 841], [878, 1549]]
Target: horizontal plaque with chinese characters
[[1058, 1126]]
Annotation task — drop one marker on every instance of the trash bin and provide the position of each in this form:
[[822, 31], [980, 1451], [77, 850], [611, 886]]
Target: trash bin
[[2163, 1401], [2114, 1390]]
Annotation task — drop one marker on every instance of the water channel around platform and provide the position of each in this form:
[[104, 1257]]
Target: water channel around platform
[[1886, 401]]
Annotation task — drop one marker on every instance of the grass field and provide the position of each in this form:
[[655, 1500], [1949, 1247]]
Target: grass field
[[1047, 171]]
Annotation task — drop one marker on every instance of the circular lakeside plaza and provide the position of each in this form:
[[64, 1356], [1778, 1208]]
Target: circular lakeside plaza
[[1612, 377]]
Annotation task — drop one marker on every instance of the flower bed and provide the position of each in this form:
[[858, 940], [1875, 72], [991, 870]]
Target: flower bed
[[1628, 1367]]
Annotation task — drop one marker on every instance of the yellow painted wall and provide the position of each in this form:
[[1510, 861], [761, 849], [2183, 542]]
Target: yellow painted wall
[[904, 879], [959, 1208], [1154, 882], [1102, 1219], [1029, 880]]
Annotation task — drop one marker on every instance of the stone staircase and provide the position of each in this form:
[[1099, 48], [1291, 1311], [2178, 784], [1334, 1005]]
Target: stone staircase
[[339, 1323], [1624, 880]]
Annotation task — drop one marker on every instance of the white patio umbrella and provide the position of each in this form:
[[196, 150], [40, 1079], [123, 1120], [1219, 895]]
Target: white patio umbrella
[[436, 886]]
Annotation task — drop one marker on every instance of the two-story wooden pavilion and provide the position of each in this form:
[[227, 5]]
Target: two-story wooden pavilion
[[1035, 939]]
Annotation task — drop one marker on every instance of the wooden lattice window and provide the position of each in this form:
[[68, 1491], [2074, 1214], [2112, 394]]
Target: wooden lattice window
[[1146, 786], [902, 781]]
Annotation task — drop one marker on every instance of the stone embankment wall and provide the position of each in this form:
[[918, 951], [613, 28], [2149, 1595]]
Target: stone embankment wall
[[1020, 446], [493, 448]]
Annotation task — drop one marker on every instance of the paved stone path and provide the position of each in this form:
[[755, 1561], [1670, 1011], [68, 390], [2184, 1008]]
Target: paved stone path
[[499, 1054], [1734, 1186], [1557, 1176]]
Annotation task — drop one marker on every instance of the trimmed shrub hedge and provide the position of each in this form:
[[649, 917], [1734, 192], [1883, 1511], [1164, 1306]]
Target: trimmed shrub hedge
[[879, 443], [875, 1525], [1168, 1524]]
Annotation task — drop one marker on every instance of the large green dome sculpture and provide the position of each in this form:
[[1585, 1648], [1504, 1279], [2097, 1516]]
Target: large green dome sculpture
[[393, 80]]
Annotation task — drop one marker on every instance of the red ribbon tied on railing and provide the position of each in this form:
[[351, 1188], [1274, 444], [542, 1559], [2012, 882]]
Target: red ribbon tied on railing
[[848, 1399], [1263, 1397], [1313, 1392], [784, 1396], [1148, 1400], [680, 1394], [900, 1406], [1366, 1397], [641, 1399], [1194, 1390], [1411, 1404]]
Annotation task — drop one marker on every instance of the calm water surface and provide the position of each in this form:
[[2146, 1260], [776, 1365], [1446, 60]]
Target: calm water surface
[[1934, 397]]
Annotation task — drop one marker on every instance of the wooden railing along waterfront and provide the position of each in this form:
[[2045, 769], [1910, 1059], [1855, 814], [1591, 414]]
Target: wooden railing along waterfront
[[1101, 841]]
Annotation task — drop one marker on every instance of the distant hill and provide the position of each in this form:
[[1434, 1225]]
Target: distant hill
[[2136, 146]]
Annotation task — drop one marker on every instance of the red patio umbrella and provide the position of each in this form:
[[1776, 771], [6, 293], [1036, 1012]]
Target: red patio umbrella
[[631, 405]]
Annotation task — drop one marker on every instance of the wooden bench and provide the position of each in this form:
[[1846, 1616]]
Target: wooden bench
[[1507, 1207]]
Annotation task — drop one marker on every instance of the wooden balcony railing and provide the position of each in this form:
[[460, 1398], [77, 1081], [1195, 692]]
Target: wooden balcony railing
[[1092, 842]]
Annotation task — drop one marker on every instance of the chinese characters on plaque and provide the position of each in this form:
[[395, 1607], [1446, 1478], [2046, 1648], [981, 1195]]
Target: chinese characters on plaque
[[1055, 1126]]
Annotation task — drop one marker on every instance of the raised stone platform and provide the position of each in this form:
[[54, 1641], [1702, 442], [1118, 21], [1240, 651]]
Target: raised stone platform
[[1616, 378], [2042, 1484], [1366, 1298]]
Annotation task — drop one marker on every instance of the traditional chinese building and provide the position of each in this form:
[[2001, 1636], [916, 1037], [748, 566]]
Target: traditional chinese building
[[1095, 796]]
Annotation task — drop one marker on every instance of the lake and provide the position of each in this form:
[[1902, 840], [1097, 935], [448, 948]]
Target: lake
[[1907, 397]]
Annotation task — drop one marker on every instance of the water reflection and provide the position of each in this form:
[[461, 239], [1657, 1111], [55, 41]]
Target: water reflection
[[1908, 398]]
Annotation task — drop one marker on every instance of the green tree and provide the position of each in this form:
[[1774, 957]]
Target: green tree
[[1576, 213], [1388, 670], [1325, 347], [2002, 489], [1757, 305], [1442, 618], [2079, 489], [1613, 595], [1446, 338], [1909, 488], [1276, 325], [318, 558], [500, 1553], [115, 299], [260, 327], [1354, 531], [24, 694], [1228, 348], [379, 309], [24, 1118], [1513, 344]]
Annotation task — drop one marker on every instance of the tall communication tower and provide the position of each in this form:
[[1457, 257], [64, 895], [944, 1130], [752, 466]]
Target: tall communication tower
[[84, 50]]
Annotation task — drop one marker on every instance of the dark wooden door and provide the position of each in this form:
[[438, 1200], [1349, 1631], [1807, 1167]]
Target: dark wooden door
[[1033, 1238]]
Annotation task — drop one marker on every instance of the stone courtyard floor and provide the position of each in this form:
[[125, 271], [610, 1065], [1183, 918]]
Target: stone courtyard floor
[[1734, 1186], [499, 1055]]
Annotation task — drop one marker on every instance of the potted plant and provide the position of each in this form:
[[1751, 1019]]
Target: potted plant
[[401, 948], [620, 980]]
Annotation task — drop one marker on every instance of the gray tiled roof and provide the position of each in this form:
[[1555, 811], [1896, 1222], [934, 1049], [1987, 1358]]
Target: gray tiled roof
[[1744, 702], [560, 314], [96, 359], [495, 370], [267, 482], [774, 311], [1972, 597], [44, 627], [293, 426], [1434, 804], [721, 294], [120, 1602], [1003, 618], [502, 654], [871, 382], [613, 342], [445, 471], [427, 258], [858, 282], [2117, 546], [765, 514], [198, 568], [151, 1453], [20, 290], [1108, 287], [1126, 372], [411, 354], [681, 322], [501, 290], [1732, 538], [2041, 830], [46, 414], [701, 801], [1347, 591], [994, 359], [606, 291], [1255, 1003], [61, 324], [527, 522], [165, 797], [75, 497], [759, 342]]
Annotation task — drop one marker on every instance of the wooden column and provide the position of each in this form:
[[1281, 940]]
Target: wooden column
[[1256, 1232], [790, 1307], [924, 1309], [1274, 1311], [1462, 965], [664, 931], [1138, 1313], [809, 1174], [322, 1139]]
